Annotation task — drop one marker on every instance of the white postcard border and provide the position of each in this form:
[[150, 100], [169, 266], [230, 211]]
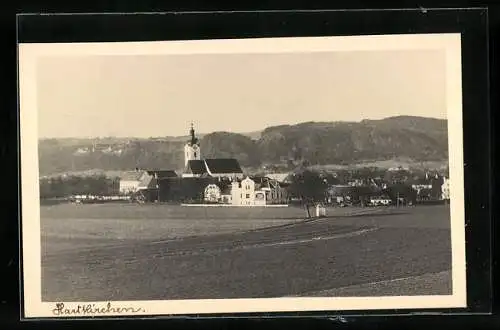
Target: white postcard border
[[30, 231]]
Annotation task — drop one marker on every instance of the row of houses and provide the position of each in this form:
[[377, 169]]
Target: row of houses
[[221, 180], [167, 186]]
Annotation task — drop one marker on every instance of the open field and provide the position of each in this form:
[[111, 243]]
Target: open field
[[68, 226], [129, 252]]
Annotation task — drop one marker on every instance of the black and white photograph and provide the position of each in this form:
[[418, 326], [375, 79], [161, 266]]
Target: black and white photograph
[[243, 175]]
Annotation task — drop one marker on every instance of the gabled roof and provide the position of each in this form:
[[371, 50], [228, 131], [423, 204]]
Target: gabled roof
[[259, 179], [223, 165], [196, 166], [421, 181], [132, 176], [280, 177], [162, 174], [147, 182]]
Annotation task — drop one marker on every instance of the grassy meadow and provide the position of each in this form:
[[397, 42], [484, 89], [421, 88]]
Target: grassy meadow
[[69, 226]]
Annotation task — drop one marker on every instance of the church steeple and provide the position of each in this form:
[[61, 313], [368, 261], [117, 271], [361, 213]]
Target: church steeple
[[192, 149], [193, 140]]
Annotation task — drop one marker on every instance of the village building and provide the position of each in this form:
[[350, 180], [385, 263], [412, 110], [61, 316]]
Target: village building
[[213, 180], [421, 184], [339, 194], [215, 168], [248, 192], [280, 177], [130, 181], [196, 167], [445, 189], [133, 182], [144, 183]]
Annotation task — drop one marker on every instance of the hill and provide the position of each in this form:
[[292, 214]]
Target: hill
[[320, 143]]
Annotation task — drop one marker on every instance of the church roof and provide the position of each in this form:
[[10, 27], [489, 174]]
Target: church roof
[[223, 165], [196, 166]]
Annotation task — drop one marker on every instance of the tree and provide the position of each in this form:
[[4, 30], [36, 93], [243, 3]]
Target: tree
[[361, 194], [309, 187], [401, 191]]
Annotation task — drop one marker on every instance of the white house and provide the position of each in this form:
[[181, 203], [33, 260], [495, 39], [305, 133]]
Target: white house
[[419, 187], [445, 189], [380, 201], [129, 182], [133, 181], [256, 191], [243, 192]]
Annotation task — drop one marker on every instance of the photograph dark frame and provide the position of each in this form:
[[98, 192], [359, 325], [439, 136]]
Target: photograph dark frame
[[471, 23]]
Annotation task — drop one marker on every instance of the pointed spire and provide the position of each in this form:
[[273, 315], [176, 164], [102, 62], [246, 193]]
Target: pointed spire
[[193, 140]]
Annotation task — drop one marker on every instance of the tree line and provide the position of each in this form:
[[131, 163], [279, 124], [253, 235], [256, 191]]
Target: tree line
[[64, 186]]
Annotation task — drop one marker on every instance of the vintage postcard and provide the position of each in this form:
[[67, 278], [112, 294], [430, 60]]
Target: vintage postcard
[[242, 176]]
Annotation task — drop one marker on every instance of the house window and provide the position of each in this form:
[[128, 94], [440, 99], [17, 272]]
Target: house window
[[248, 195]]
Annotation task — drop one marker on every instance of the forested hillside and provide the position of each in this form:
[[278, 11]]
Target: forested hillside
[[320, 143]]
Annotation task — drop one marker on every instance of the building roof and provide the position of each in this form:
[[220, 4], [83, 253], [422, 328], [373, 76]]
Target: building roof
[[162, 174], [196, 166], [259, 179], [419, 181], [223, 165], [147, 182], [280, 177], [132, 176]]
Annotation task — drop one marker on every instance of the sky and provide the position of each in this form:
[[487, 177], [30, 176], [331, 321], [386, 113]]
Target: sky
[[160, 95]]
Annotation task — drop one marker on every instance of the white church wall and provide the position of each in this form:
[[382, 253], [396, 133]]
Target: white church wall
[[191, 152], [225, 175]]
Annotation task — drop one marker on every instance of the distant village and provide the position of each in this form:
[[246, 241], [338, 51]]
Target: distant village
[[222, 181]]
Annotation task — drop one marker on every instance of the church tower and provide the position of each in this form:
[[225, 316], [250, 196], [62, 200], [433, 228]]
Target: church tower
[[192, 148]]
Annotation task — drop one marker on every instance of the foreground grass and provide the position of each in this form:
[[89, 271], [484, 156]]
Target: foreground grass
[[427, 284], [217, 266], [78, 226], [69, 227]]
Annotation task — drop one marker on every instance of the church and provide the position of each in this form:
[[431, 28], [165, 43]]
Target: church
[[226, 183], [196, 167], [205, 180]]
